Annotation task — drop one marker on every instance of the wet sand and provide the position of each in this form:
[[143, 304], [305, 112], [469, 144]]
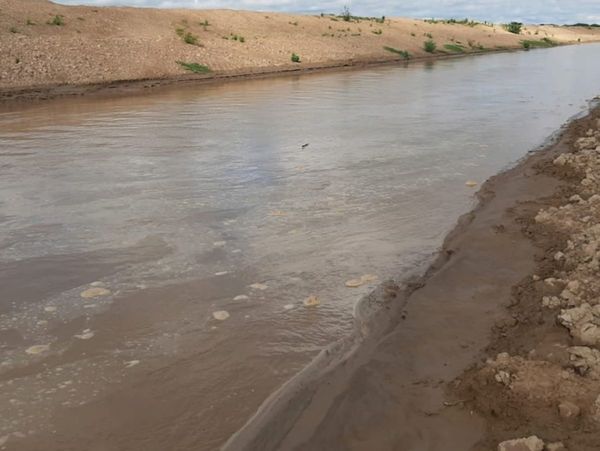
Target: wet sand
[[393, 390]]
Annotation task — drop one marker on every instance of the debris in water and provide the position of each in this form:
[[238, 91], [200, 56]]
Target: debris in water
[[259, 286], [221, 315], [241, 297], [219, 243], [221, 273], [366, 279], [236, 251], [369, 278], [131, 363], [312, 301], [304, 146], [50, 309], [354, 283], [85, 335], [37, 349], [94, 292], [278, 213], [97, 284], [288, 306], [471, 184]]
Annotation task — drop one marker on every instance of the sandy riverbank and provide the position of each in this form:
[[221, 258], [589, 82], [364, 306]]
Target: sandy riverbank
[[53, 50], [509, 267]]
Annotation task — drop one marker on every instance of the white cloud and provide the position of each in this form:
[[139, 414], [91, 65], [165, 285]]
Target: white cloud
[[532, 11]]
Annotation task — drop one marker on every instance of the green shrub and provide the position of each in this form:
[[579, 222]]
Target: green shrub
[[454, 48], [514, 27], [189, 38], [429, 46], [57, 20], [295, 58], [526, 45], [194, 67], [346, 16], [403, 53]]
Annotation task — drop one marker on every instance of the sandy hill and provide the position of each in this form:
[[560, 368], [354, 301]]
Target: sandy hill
[[45, 44]]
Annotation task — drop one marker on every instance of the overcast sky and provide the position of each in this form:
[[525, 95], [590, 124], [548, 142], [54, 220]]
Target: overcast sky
[[531, 11]]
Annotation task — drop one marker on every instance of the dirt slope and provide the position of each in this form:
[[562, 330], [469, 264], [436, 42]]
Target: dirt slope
[[100, 45]]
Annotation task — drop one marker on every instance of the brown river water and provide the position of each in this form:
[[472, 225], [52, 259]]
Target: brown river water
[[189, 201]]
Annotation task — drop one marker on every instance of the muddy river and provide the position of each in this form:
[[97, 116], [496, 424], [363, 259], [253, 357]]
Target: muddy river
[[157, 251]]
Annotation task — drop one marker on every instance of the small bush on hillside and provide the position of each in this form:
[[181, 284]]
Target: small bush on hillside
[[194, 67], [295, 58], [30, 22], [526, 45], [346, 16], [403, 53], [454, 48], [189, 38], [429, 46], [514, 27], [57, 20], [13, 30], [378, 32]]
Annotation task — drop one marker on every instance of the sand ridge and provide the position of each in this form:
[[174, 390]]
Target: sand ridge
[[88, 45]]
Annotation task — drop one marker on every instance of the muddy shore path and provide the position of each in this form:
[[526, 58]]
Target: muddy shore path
[[393, 393]]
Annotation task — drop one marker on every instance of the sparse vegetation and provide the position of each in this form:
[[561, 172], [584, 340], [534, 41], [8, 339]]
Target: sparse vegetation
[[429, 35], [429, 46], [514, 27], [236, 37], [403, 53], [295, 58], [187, 37], [57, 20], [455, 48], [194, 67], [543, 43], [470, 23], [378, 32], [346, 16], [13, 30], [30, 22]]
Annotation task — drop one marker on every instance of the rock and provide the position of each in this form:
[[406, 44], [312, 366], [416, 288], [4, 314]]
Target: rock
[[596, 410], [561, 160], [586, 361], [502, 377], [556, 446], [582, 323], [522, 444], [471, 184], [559, 256], [37, 349], [94, 292], [312, 301], [220, 315], [568, 410], [85, 335]]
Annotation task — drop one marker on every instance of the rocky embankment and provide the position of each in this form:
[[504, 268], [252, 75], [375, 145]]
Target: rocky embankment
[[544, 385]]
